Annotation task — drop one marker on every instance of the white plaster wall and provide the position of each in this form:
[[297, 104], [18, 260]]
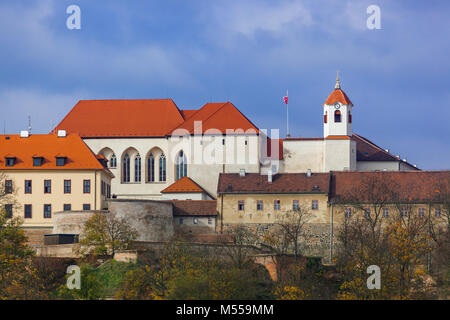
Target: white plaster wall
[[338, 155], [301, 155], [186, 196]]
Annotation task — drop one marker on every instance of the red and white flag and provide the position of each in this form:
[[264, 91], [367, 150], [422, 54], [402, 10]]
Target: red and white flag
[[285, 98]]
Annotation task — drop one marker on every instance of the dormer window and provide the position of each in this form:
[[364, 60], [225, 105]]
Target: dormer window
[[10, 161], [60, 161], [37, 161]]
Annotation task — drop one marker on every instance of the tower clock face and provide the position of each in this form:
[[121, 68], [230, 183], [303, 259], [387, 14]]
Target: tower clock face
[[337, 105]]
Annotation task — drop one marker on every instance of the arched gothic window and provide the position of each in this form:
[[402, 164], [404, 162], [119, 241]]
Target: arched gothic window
[[113, 161], [150, 168], [180, 166], [337, 116], [162, 167], [137, 168], [349, 117], [126, 168]]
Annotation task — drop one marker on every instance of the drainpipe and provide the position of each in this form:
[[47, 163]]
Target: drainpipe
[[428, 240], [221, 213], [95, 190], [331, 232]]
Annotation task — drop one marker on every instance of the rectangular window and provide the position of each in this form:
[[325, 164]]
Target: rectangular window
[[47, 186], [9, 210], [87, 186], [367, 212], [86, 206], [67, 186], [27, 186], [259, 205], [315, 204], [386, 212], [404, 212], [276, 204], [241, 205], [437, 212], [47, 211], [209, 220], [67, 207], [195, 221], [180, 221], [421, 212], [8, 186], [27, 211], [108, 191], [295, 205], [9, 162], [60, 161], [103, 187], [348, 212], [37, 161]]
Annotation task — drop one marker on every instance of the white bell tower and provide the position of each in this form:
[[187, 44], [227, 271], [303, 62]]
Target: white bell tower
[[339, 146], [337, 113]]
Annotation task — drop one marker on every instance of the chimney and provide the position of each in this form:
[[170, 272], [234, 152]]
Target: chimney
[[62, 133], [308, 173], [24, 134], [269, 176]]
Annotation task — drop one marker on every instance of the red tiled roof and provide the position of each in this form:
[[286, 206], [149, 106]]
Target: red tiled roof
[[194, 207], [122, 118], [184, 185], [148, 118], [281, 183], [48, 146], [366, 150], [220, 116], [409, 185], [337, 95]]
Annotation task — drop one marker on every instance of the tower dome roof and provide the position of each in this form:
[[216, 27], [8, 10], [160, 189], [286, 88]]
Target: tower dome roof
[[337, 95]]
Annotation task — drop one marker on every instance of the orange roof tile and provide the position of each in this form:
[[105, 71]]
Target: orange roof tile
[[48, 146], [122, 118], [183, 185], [187, 113], [220, 116], [337, 95], [194, 207]]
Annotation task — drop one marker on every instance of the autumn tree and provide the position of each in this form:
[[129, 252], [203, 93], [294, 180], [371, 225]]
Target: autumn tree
[[105, 234]]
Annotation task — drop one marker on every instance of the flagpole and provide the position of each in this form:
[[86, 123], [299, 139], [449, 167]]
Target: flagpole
[[287, 116]]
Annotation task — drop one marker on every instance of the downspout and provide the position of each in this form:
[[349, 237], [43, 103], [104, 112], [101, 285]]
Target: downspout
[[331, 232], [95, 190], [428, 240], [221, 213]]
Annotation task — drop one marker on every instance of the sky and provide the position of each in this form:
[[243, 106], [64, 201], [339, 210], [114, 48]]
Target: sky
[[248, 52]]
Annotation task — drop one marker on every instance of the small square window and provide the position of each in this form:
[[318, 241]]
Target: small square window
[[315, 204], [47, 211], [404, 212], [367, 212], [86, 206], [241, 205], [276, 204], [259, 205], [195, 221], [295, 205], [348, 212], [209, 220], [67, 207], [60, 161], [180, 221], [421, 212], [385, 212], [437, 212], [37, 161], [9, 162]]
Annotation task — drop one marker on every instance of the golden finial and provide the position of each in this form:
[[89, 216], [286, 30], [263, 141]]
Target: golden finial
[[337, 86]]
